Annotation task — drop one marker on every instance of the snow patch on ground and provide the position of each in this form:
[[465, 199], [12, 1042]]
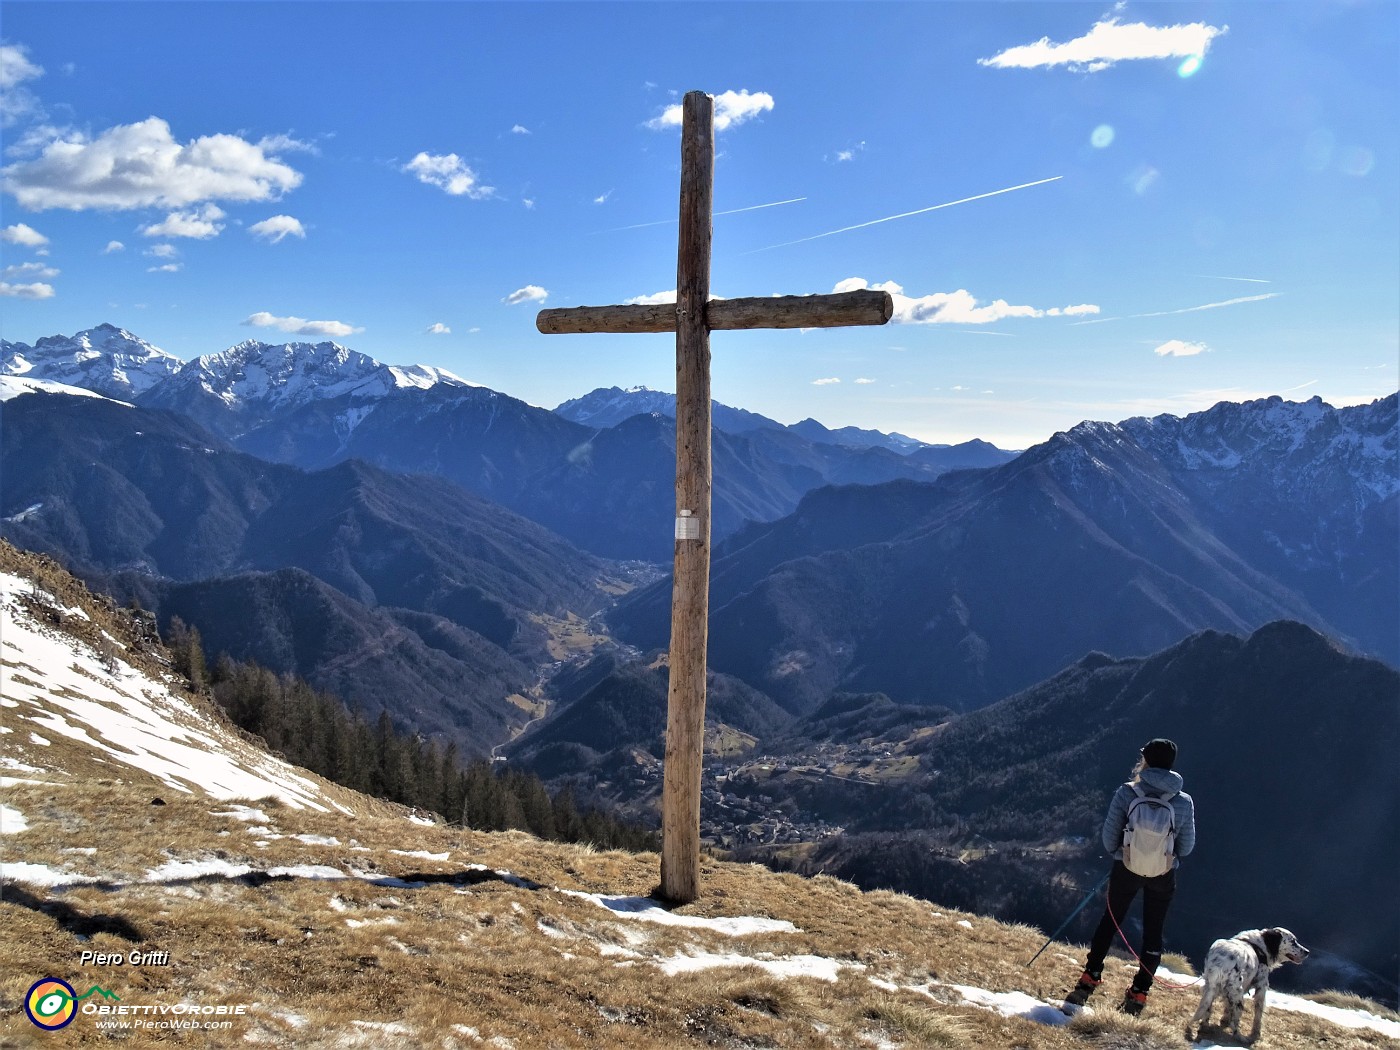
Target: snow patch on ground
[[242, 813], [40, 874], [1013, 1004], [318, 840], [645, 909], [72, 691], [784, 966]]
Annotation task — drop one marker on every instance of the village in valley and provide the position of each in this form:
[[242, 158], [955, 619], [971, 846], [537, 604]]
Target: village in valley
[[750, 799]]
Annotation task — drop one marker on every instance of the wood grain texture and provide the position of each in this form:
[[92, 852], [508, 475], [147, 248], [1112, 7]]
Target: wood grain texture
[[838, 310], [685, 717]]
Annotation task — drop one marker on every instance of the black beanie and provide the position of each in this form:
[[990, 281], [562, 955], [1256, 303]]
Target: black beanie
[[1160, 753]]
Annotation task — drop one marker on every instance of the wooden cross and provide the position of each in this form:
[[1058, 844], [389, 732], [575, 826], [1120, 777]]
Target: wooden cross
[[692, 318]]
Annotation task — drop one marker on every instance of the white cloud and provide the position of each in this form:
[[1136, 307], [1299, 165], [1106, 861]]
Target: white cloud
[[602, 198], [37, 290], [299, 325], [520, 129], [659, 298], [449, 173], [732, 108], [286, 144], [825, 382], [864, 382], [531, 293], [113, 246], [529, 202], [1110, 41], [141, 166], [167, 268], [24, 236], [32, 270], [438, 328], [15, 67], [161, 251], [654, 299], [960, 307], [17, 103], [1177, 348], [278, 227], [199, 224]]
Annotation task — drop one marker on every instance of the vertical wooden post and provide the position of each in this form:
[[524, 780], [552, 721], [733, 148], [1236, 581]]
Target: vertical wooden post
[[690, 595]]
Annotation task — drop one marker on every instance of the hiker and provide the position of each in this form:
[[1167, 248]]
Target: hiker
[[1151, 824]]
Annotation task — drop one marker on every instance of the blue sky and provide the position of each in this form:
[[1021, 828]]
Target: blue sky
[[416, 180]]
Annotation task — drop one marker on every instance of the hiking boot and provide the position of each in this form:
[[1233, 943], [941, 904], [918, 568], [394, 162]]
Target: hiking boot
[[1085, 988], [1133, 1002]]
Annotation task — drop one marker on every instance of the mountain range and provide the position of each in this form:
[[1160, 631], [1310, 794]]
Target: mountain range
[[402, 592], [315, 405], [609, 406], [845, 568], [399, 535], [130, 826], [1117, 537], [1012, 796]]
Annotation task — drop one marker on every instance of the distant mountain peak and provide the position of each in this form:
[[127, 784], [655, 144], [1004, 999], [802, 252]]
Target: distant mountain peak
[[609, 406], [113, 362], [106, 360], [253, 378]]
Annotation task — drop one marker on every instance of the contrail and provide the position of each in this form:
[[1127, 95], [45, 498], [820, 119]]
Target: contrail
[[731, 211], [1185, 310], [905, 215], [1251, 280]]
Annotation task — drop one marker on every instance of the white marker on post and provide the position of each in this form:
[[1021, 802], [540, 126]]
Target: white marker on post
[[687, 526]]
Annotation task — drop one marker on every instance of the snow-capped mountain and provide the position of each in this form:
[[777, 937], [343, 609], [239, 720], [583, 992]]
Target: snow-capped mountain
[[1353, 454], [1108, 536], [106, 359], [1298, 483], [248, 383], [14, 386], [608, 406]]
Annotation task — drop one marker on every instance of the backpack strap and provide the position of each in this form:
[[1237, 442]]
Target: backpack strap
[[1143, 796], [1137, 790]]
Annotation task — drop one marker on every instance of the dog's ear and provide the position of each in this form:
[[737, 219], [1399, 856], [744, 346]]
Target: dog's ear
[[1273, 940]]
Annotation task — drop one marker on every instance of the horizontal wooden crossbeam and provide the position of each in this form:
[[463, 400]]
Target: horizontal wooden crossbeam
[[842, 309]]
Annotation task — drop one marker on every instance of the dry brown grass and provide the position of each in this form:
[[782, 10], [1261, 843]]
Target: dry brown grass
[[1349, 1001], [425, 951]]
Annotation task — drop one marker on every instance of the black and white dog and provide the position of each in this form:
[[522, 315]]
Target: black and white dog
[[1241, 964]]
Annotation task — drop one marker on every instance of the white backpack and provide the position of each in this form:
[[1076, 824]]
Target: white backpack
[[1149, 838]]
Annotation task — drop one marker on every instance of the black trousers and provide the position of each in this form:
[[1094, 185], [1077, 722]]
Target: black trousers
[[1157, 894]]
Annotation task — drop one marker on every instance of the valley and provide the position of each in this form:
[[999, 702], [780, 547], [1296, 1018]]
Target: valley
[[921, 658]]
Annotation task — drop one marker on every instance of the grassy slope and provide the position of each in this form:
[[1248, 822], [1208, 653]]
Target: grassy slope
[[441, 949], [388, 932]]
